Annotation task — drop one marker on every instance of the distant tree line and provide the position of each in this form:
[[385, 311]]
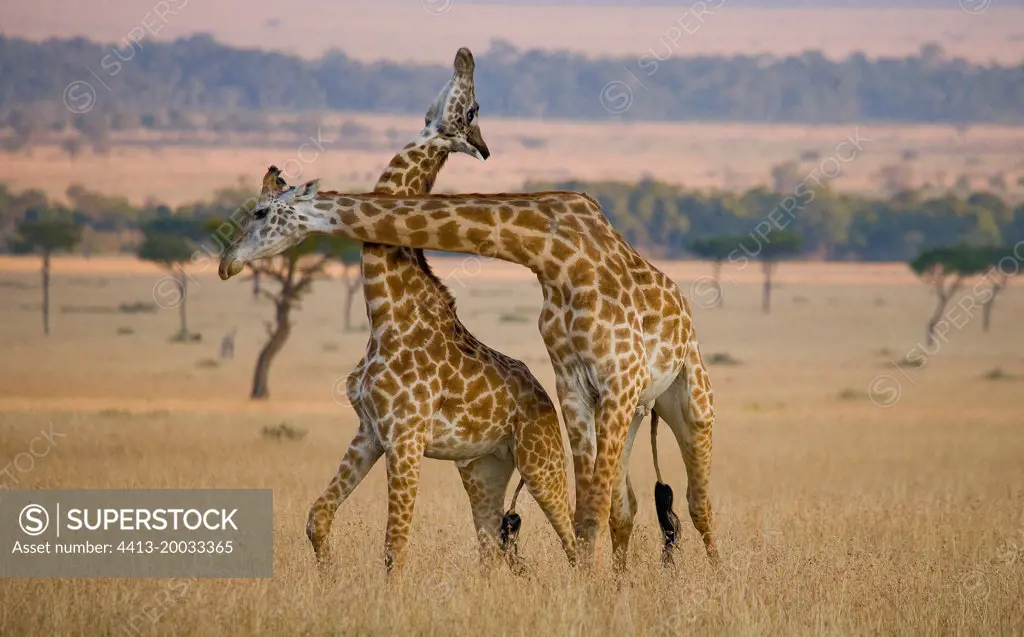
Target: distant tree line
[[659, 219], [663, 220], [178, 85]]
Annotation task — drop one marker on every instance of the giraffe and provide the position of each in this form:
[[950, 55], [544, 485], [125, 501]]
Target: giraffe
[[617, 330], [427, 386]]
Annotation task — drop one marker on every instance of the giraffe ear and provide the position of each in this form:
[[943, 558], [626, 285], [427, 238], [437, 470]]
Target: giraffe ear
[[307, 190], [464, 61]]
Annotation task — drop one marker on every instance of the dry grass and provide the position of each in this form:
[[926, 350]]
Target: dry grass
[[728, 156], [834, 516]]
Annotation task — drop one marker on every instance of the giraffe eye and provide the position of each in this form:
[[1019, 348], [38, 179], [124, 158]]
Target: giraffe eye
[[471, 115], [261, 213]]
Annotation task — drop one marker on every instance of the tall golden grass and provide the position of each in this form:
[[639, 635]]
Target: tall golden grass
[[835, 515]]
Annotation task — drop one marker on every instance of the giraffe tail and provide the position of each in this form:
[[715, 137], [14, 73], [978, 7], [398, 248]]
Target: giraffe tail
[[663, 497], [511, 523], [509, 532]]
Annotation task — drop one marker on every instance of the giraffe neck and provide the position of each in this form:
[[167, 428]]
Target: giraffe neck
[[412, 171], [520, 228]]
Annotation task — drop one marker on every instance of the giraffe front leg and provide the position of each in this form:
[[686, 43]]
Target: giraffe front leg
[[363, 452], [404, 458], [486, 481]]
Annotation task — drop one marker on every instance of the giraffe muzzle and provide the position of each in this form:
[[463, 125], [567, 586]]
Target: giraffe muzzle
[[229, 267]]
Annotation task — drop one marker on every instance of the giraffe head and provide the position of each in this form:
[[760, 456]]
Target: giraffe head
[[273, 225], [452, 118]]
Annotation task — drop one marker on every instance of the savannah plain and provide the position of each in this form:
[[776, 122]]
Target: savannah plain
[[836, 515], [177, 170]]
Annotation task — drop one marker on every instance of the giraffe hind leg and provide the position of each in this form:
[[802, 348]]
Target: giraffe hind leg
[[613, 424], [540, 457], [486, 480], [690, 415]]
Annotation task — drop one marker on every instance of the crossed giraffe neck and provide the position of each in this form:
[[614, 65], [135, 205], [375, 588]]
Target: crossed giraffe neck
[[412, 171], [548, 232]]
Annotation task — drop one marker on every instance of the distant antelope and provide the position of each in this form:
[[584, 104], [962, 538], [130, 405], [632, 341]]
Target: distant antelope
[[227, 345]]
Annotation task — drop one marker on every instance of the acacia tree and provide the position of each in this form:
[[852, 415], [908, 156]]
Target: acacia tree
[[779, 245], [170, 242], [715, 249], [1003, 264], [45, 233], [294, 270], [945, 268]]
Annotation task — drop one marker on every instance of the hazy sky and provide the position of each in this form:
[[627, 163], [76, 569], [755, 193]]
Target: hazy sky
[[429, 30]]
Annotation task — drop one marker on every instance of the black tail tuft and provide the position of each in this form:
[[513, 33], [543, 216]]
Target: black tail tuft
[[667, 518], [509, 537], [510, 525]]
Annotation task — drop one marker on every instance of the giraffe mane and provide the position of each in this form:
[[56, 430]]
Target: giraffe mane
[[442, 289]]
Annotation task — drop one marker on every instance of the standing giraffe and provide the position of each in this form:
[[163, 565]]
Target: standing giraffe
[[426, 386], [618, 331]]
